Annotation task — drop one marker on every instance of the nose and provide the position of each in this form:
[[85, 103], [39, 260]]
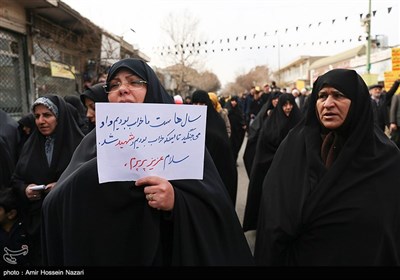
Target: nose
[[90, 114], [40, 119], [123, 90], [123, 96], [329, 101]]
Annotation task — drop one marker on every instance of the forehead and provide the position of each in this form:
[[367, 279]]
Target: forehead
[[41, 107], [123, 72], [327, 88]]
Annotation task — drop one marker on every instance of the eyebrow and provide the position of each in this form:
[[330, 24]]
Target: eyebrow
[[332, 91], [127, 76]]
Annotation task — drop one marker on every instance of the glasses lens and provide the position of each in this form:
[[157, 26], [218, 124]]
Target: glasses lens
[[110, 87]]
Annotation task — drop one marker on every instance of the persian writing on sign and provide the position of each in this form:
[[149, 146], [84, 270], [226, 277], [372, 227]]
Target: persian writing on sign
[[135, 140]]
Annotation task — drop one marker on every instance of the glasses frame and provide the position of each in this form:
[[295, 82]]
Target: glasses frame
[[130, 84]]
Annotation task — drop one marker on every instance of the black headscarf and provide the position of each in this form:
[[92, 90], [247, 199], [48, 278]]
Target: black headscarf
[[111, 224], [218, 144], [347, 214], [79, 112], [95, 93], [254, 131], [27, 120], [274, 130], [156, 93]]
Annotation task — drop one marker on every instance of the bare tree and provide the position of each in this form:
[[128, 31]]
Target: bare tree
[[207, 81], [257, 76], [183, 53], [183, 38]]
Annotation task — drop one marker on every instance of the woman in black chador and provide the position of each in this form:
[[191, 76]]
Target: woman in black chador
[[218, 144], [44, 157], [149, 222], [283, 118], [89, 98], [254, 130], [331, 196]]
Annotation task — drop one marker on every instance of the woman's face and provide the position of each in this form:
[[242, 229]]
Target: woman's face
[[45, 120], [332, 107], [126, 87], [275, 101], [90, 113], [287, 108]]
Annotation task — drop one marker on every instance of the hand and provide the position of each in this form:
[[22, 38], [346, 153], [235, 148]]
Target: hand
[[392, 127], [32, 194], [49, 187], [159, 192]]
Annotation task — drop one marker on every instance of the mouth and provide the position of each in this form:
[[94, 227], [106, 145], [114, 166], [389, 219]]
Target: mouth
[[328, 116], [43, 128]]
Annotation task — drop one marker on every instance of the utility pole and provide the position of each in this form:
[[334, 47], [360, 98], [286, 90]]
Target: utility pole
[[368, 27]]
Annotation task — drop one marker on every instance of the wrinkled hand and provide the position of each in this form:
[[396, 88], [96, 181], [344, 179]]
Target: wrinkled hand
[[159, 192], [32, 194]]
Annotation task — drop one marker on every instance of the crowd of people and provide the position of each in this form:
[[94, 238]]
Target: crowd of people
[[322, 167]]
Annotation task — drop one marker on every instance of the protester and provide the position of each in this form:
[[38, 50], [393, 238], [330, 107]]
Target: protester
[[150, 222], [9, 147], [218, 144], [238, 125], [254, 130], [381, 102], [331, 196], [79, 112], [89, 98], [26, 125], [283, 118], [43, 158], [223, 112]]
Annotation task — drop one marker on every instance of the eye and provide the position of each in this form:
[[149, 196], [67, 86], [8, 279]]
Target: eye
[[322, 95], [137, 83], [47, 115], [114, 85], [338, 95]]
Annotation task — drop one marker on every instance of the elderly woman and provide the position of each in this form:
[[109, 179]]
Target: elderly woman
[[331, 196], [44, 156], [150, 222]]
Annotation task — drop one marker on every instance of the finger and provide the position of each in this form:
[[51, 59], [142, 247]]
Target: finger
[[152, 189], [149, 180]]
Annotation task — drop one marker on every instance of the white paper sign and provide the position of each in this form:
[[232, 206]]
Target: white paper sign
[[135, 140]]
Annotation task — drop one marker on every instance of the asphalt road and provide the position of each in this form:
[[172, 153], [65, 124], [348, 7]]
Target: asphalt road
[[243, 182]]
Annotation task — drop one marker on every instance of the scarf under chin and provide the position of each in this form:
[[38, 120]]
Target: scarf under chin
[[330, 148]]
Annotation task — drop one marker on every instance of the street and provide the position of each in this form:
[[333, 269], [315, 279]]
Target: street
[[243, 182]]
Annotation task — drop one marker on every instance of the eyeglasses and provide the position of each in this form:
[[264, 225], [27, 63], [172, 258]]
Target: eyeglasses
[[114, 86]]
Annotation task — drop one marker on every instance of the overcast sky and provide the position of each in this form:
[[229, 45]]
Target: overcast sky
[[259, 31]]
